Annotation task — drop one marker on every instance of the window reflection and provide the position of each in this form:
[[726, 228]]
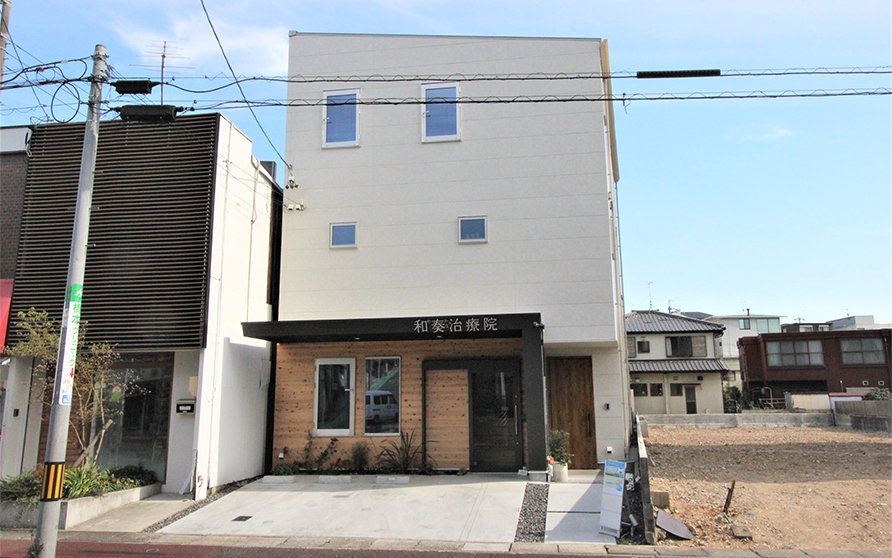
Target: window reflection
[[382, 395]]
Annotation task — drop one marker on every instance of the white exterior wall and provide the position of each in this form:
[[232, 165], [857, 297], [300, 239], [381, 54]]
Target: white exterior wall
[[658, 344], [708, 393], [233, 371], [537, 171], [22, 413]]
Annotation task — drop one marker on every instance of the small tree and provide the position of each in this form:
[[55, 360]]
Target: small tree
[[98, 388]]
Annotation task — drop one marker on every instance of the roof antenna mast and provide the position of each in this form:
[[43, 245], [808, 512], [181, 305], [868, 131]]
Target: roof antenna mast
[[650, 301]]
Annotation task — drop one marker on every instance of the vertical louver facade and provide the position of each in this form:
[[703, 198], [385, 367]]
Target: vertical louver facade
[[146, 278]]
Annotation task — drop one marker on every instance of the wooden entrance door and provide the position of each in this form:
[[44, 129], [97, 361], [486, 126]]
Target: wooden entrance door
[[571, 406]]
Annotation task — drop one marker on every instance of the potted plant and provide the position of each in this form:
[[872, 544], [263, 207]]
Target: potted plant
[[559, 445]]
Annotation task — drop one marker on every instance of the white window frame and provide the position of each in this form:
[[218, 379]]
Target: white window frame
[[334, 144], [483, 240], [425, 113], [331, 228], [351, 362]]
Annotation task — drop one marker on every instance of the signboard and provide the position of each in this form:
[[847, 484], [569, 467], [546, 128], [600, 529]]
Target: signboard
[[612, 497], [71, 322]]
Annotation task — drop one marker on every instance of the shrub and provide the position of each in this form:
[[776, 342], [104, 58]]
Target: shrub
[[24, 487], [878, 394], [399, 458], [282, 469], [136, 474], [559, 445], [359, 455]]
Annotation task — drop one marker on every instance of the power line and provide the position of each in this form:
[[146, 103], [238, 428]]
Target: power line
[[245, 97]]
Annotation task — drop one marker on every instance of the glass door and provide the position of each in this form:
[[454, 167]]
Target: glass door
[[333, 413], [495, 423]]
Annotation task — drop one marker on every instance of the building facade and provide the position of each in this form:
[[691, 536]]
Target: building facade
[[182, 237], [451, 268], [816, 362], [736, 327], [675, 364]]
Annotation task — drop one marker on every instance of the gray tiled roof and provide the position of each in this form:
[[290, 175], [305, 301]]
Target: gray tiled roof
[[652, 321], [678, 365]]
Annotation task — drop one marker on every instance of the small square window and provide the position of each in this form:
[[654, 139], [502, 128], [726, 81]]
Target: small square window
[[639, 390], [644, 346], [440, 117], [340, 117], [343, 235], [471, 230], [656, 390], [743, 323]]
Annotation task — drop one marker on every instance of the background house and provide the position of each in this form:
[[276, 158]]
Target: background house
[[847, 323], [815, 362], [464, 255], [183, 243], [736, 327], [674, 364]]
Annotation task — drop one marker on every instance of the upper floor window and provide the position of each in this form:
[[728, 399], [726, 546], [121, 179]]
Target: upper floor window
[[806, 328], [441, 116], [795, 353], [343, 235], [340, 115], [768, 325], [686, 346], [865, 350], [743, 323], [644, 346], [471, 230]]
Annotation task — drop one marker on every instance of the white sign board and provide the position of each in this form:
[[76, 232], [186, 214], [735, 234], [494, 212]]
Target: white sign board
[[612, 497]]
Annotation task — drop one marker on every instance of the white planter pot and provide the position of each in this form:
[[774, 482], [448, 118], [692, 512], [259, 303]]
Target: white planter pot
[[561, 472]]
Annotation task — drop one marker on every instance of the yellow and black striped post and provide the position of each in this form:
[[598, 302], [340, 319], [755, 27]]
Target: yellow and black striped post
[[53, 479]]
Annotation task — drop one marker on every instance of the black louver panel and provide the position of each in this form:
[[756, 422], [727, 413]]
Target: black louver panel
[[146, 278]]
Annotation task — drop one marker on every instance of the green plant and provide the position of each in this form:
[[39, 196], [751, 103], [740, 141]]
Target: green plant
[[282, 469], [86, 480], [359, 455], [400, 457], [559, 445], [878, 394], [133, 474], [324, 455], [24, 487]]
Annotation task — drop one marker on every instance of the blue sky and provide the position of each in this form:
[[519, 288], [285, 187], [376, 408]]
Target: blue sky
[[783, 206]]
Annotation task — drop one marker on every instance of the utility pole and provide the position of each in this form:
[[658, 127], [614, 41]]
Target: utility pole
[[57, 441], [4, 32]]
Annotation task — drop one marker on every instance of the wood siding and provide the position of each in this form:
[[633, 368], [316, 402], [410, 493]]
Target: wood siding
[[448, 431], [294, 391], [572, 407]]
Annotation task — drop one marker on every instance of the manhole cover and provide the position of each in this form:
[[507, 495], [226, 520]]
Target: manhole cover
[[243, 518]]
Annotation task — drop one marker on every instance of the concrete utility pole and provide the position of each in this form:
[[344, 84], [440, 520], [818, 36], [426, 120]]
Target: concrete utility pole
[[57, 441], [4, 32]]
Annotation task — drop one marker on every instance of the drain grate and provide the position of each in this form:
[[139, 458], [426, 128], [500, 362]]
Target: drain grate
[[243, 518]]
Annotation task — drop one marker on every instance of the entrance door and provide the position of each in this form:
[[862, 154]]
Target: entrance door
[[496, 442], [690, 399], [571, 406]]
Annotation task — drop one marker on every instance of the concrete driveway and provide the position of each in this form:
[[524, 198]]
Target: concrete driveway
[[468, 508]]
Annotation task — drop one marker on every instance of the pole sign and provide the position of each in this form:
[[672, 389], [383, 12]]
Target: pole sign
[[72, 323], [612, 497]]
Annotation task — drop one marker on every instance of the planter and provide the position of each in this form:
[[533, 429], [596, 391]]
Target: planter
[[561, 472], [23, 515]]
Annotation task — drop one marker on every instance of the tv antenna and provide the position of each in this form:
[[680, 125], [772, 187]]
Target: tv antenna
[[165, 50]]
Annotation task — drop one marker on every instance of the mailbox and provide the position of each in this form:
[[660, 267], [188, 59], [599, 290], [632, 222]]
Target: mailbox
[[185, 406]]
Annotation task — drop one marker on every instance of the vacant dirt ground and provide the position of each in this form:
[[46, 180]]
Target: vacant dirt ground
[[799, 488]]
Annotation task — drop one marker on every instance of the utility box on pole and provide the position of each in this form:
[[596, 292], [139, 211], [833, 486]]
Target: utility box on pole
[[46, 535]]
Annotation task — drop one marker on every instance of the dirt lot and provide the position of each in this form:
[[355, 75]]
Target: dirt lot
[[802, 488]]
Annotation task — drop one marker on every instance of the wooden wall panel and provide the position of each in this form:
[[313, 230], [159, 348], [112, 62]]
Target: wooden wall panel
[[294, 389], [448, 430]]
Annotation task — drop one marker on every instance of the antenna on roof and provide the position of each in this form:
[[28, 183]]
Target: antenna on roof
[[165, 50], [650, 301]]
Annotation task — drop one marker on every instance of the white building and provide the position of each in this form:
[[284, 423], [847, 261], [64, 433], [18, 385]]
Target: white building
[[736, 327], [464, 247]]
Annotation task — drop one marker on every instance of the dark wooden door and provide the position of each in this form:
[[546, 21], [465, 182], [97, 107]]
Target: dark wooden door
[[571, 406], [690, 399]]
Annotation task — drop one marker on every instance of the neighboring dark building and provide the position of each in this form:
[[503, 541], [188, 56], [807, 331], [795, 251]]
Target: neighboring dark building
[[816, 362], [805, 327], [183, 246]]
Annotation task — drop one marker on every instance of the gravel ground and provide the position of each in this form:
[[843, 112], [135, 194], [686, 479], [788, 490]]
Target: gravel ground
[[797, 488], [531, 523]]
